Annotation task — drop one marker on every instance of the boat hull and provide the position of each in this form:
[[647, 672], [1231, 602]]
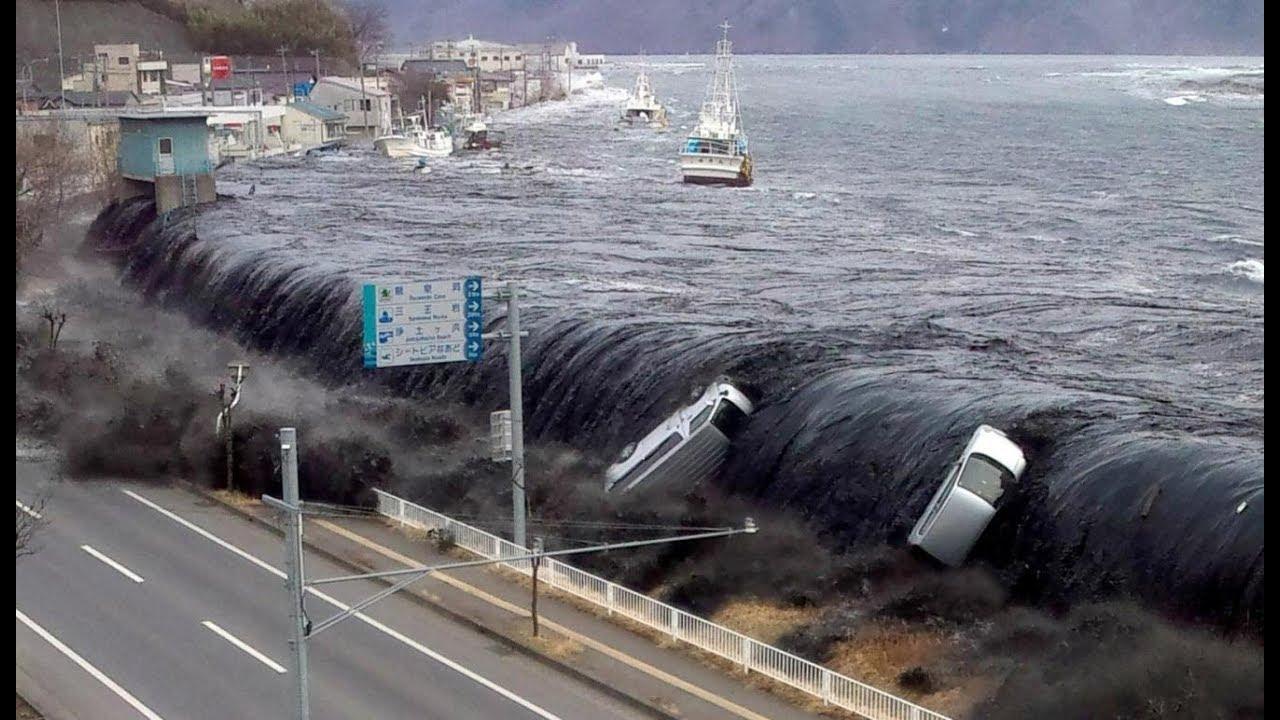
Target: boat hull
[[714, 169], [396, 147]]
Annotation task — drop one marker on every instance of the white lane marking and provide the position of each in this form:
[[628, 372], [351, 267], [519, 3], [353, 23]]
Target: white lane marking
[[95, 672], [343, 606], [243, 646], [27, 510], [117, 566]]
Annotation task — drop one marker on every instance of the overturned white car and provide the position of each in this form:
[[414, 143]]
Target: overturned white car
[[687, 447], [964, 504]]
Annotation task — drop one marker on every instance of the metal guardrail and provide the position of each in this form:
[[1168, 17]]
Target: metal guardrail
[[751, 655]]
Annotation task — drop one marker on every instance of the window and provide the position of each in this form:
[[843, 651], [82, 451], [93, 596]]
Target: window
[[700, 418], [484, 58], [644, 465], [166, 146], [122, 60], [729, 418], [984, 478], [517, 58]]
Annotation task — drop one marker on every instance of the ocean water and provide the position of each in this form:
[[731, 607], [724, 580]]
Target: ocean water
[[1069, 248]]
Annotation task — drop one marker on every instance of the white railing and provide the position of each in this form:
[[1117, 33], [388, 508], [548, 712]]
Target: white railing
[[751, 655]]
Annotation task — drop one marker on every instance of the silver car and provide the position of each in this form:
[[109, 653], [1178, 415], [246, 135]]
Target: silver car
[[687, 447], [963, 506]]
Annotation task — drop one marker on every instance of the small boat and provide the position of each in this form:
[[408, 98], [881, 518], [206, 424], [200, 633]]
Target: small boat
[[643, 105], [715, 153], [402, 141], [476, 135], [437, 143]]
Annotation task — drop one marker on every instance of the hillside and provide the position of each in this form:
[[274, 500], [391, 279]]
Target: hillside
[[85, 22]]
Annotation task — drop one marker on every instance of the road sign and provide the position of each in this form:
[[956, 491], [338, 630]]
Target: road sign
[[423, 321]]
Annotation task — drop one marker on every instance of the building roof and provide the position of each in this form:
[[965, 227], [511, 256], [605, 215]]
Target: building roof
[[88, 98], [321, 113], [235, 82], [165, 114], [370, 84], [434, 67]]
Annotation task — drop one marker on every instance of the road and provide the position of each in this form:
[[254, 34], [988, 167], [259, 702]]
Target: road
[[145, 601]]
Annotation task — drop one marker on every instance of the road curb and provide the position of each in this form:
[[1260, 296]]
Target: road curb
[[514, 643]]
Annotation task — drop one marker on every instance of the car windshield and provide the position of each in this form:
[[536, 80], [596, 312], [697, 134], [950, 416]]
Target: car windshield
[[984, 478]]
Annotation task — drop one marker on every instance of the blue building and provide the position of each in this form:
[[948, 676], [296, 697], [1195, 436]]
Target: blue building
[[167, 153]]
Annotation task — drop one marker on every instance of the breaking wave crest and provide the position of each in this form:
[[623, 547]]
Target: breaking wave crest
[[1111, 503]]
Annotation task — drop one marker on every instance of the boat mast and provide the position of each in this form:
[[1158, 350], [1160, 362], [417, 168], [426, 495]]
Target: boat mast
[[721, 106]]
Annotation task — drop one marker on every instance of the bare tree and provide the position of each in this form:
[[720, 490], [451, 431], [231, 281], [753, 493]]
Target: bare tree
[[30, 518], [369, 29], [53, 314]]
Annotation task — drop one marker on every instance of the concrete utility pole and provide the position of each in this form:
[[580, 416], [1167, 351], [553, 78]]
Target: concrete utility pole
[[230, 398], [288, 93], [364, 101], [517, 416], [57, 11], [294, 577], [300, 629], [316, 55]]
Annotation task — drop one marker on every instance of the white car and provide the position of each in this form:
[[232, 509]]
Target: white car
[[963, 506], [687, 447]]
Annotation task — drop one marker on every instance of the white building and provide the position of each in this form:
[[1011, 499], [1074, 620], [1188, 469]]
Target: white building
[[488, 55], [307, 125], [247, 132], [343, 94]]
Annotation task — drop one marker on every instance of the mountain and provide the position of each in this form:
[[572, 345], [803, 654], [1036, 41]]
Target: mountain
[[1173, 27]]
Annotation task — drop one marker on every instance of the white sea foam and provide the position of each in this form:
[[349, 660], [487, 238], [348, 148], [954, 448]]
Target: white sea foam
[[1228, 238], [804, 195], [1249, 269], [1184, 99]]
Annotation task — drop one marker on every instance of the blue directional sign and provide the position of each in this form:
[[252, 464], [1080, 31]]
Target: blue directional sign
[[423, 321]]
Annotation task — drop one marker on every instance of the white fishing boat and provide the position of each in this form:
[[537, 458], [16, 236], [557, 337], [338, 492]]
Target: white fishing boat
[[716, 153], [405, 140], [643, 105]]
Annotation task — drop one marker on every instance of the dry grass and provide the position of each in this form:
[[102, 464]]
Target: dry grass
[[235, 498], [25, 711], [762, 620], [552, 644], [879, 653]]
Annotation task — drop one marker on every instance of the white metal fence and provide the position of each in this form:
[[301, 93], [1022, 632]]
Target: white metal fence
[[744, 652]]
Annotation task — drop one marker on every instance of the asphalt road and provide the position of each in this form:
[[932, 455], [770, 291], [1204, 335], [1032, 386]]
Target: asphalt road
[[145, 601]]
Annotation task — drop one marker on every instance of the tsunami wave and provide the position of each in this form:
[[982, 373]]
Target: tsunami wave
[[1113, 502]]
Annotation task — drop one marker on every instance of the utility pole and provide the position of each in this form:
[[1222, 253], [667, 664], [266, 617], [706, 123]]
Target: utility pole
[[230, 395], [316, 55], [294, 577], [301, 630], [364, 102], [517, 416], [57, 11], [288, 75]]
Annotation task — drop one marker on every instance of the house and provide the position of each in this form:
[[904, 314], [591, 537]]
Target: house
[[123, 67], [487, 55], [307, 125], [369, 110], [247, 131], [234, 91], [167, 154], [436, 69]]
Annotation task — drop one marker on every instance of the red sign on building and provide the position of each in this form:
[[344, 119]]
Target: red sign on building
[[220, 67]]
